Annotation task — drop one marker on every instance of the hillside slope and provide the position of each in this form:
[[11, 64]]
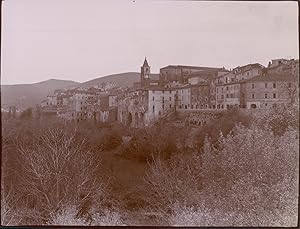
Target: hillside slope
[[26, 95]]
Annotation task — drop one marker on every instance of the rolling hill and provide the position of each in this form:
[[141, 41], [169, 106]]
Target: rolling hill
[[121, 79], [26, 95]]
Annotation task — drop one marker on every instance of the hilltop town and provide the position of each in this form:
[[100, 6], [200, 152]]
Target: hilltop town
[[179, 87]]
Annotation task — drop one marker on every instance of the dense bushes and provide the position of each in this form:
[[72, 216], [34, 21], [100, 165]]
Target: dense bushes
[[279, 119], [249, 180], [224, 124], [244, 172], [153, 141]]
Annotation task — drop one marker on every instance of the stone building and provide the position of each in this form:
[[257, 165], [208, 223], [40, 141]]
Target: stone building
[[248, 71], [226, 78], [181, 73], [283, 66], [228, 95], [266, 91]]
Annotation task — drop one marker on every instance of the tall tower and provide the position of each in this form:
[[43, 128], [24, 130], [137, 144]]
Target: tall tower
[[145, 73]]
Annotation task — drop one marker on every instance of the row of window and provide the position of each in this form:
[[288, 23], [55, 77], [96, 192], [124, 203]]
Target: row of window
[[227, 96], [266, 95], [163, 107], [163, 98], [228, 88], [274, 85], [253, 86]]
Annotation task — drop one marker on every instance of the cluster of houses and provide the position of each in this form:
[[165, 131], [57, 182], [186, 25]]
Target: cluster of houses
[[180, 87]]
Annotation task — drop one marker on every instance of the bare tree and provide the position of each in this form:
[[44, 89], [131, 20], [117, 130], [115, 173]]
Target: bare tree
[[291, 87], [59, 169]]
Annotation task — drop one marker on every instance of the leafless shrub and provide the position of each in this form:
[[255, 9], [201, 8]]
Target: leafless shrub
[[59, 169], [175, 180], [67, 216], [107, 218], [10, 215]]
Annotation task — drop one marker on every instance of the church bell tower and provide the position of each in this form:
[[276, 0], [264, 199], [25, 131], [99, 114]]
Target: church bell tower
[[145, 74]]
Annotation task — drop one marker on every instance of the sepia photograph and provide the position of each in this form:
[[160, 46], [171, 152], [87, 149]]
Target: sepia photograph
[[149, 113]]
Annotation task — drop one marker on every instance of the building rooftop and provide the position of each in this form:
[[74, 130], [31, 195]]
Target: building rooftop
[[193, 67], [248, 67]]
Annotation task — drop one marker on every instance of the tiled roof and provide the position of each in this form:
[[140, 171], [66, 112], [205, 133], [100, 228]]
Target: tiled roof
[[193, 67], [248, 67]]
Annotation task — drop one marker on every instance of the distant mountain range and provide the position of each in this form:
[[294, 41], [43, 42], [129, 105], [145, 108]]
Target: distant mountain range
[[27, 95]]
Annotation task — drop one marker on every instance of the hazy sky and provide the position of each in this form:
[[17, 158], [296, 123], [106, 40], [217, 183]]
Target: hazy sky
[[84, 39]]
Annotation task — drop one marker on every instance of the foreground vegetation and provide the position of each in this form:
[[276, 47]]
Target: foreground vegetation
[[241, 170]]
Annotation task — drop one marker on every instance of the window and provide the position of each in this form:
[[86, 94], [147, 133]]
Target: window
[[274, 95], [170, 106], [170, 99], [274, 105], [253, 85], [222, 96], [266, 104], [153, 108], [252, 96], [153, 98], [266, 96], [163, 106], [274, 85], [290, 85], [266, 85], [226, 88], [227, 95]]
